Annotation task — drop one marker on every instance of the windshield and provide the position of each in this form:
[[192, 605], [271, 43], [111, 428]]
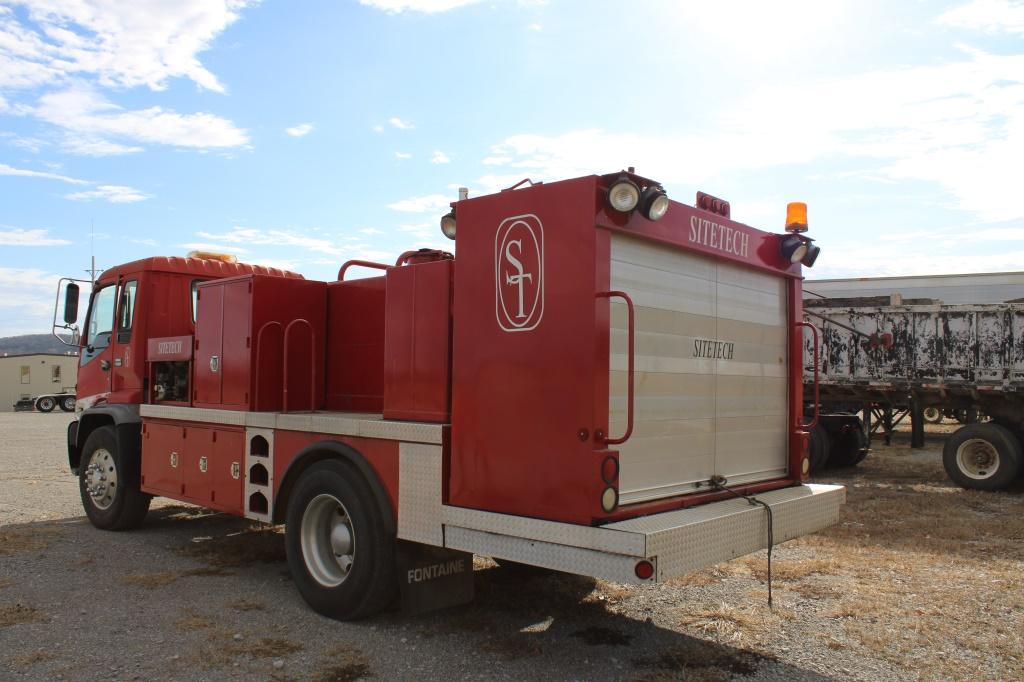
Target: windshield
[[101, 317]]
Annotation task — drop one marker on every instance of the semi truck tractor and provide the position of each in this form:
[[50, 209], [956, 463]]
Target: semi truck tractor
[[603, 382]]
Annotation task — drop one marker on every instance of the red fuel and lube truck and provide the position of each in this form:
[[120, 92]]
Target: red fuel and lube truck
[[603, 381]]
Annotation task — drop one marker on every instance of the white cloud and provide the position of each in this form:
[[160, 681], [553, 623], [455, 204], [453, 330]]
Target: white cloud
[[21, 172], [233, 249], [378, 129], [400, 124], [122, 44], [430, 203], [300, 130], [89, 146], [440, 157], [86, 113], [115, 194], [371, 231], [959, 124], [425, 6], [26, 300], [992, 16], [536, 27], [15, 236], [402, 155]]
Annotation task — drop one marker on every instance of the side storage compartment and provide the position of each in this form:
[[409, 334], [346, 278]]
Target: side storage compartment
[[259, 344], [417, 348], [162, 446]]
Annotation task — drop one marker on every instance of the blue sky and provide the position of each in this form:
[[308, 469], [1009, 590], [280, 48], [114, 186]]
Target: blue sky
[[303, 134]]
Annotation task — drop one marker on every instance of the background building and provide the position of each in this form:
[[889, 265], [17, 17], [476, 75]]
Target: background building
[[983, 287], [31, 374]]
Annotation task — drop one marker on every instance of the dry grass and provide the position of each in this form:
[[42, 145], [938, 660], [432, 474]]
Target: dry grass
[[263, 647], [34, 658], [748, 625], [28, 539], [245, 605], [932, 575], [16, 614], [696, 579], [164, 578], [347, 664], [193, 621], [258, 544], [699, 661]]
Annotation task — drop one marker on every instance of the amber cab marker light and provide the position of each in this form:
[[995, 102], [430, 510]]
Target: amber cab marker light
[[796, 217]]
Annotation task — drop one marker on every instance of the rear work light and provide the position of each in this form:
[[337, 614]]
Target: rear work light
[[654, 202], [623, 195], [793, 248]]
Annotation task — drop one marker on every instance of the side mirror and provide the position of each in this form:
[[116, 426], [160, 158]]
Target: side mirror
[[71, 303]]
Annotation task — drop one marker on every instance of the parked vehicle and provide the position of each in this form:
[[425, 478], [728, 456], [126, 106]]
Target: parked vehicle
[[46, 403], [604, 382], [930, 361]]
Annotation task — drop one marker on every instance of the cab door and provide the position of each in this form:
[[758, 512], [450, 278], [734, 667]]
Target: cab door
[[126, 355], [95, 362]]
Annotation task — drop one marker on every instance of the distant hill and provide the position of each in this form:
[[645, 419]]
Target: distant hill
[[32, 343]]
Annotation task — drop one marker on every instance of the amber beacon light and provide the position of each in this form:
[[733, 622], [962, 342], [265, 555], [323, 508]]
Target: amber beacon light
[[796, 247]]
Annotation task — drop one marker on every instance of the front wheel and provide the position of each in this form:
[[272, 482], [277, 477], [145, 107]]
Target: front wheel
[[109, 483], [982, 456], [46, 404], [341, 556]]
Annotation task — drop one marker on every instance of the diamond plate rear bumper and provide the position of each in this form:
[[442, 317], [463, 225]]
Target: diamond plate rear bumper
[[677, 542]]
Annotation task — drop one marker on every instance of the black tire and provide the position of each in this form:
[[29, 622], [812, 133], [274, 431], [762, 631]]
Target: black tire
[[46, 404], [820, 449], [370, 583], [849, 447], [932, 415], [982, 457], [67, 403], [123, 506]]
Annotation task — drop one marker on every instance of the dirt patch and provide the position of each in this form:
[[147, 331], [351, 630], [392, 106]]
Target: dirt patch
[[263, 647], [598, 636], [194, 621], [700, 660], [30, 539], [513, 647], [5, 582], [16, 614]]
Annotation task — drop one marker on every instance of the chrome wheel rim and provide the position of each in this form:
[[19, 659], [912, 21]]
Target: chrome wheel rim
[[977, 459], [46, 404], [932, 414], [328, 540], [101, 478]]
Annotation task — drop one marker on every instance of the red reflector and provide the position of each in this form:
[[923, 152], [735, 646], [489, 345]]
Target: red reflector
[[644, 570], [609, 470]]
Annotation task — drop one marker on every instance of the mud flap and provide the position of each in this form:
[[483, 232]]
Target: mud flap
[[433, 578]]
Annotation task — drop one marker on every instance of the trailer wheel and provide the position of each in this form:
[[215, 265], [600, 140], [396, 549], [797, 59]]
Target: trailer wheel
[[46, 404], [67, 403], [849, 447], [982, 456], [933, 415], [820, 449], [109, 485], [340, 555]]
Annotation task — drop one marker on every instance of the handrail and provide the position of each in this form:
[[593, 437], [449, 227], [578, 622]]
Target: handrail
[[312, 364], [363, 264], [408, 255], [256, 352], [813, 422], [631, 375]]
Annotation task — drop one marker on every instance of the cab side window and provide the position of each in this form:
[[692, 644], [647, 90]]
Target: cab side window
[[101, 318], [126, 311]]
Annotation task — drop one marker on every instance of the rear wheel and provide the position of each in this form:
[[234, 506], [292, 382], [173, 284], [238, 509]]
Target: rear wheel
[[341, 556], [820, 449], [46, 404], [67, 403], [982, 456], [932, 415], [849, 447], [108, 481]]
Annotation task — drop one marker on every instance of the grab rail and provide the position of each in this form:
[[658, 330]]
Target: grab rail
[[312, 364], [631, 365], [814, 422]]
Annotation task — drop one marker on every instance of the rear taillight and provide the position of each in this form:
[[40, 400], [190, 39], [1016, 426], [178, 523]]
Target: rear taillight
[[644, 570]]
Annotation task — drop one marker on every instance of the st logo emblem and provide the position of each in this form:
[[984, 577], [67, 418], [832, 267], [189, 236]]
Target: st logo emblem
[[519, 273]]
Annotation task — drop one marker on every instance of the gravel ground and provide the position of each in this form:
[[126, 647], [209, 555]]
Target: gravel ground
[[198, 595]]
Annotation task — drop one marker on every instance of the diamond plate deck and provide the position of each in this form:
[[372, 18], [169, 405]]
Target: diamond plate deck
[[419, 493]]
